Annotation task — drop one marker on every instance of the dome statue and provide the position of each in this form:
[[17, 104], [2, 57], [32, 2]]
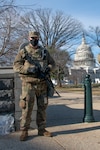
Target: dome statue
[[84, 57]]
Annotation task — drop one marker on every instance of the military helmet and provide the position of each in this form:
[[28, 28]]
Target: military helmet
[[33, 34]]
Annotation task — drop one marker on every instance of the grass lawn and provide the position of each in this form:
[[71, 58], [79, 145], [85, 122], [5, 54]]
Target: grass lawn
[[95, 91]]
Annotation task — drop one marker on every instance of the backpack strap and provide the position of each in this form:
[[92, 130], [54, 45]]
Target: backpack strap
[[44, 54], [22, 46]]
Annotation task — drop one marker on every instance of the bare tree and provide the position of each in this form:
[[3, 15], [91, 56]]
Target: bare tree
[[61, 57], [57, 32], [56, 29], [93, 34], [8, 19], [5, 5], [8, 35]]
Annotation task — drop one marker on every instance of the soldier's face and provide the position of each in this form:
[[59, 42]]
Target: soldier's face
[[34, 41]]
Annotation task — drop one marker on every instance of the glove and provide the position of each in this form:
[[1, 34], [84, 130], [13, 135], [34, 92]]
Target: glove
[[22, 104], [33, 70], [47, 70]]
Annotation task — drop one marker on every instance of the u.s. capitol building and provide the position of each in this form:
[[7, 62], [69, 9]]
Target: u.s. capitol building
[[84, 63]]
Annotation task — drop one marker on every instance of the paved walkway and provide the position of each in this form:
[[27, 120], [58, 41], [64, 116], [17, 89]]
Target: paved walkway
[[65, 120]]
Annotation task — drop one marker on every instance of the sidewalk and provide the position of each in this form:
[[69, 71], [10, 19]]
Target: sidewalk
[[65, 120]]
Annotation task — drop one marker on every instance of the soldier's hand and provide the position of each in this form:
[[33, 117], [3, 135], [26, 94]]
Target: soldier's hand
[[22, 104], [33, 70], [47, 69]]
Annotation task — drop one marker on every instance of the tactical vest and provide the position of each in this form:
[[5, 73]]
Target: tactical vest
[[31, 59], [39, 59]]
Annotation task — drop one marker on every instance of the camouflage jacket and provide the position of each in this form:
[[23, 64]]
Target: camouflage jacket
[[21, 64]]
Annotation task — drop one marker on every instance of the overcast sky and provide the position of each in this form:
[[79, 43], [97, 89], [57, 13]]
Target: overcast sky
[[86, 11]]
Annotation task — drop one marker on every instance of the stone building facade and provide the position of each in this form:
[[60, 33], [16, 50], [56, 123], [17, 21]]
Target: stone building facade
[[84, 63], [84, 57]]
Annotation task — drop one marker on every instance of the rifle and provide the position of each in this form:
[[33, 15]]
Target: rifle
[[51, 88], [42, 75]]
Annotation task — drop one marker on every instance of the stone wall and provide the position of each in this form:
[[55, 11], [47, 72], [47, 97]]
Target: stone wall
[[6, 91], [6, 96], [10, 90]]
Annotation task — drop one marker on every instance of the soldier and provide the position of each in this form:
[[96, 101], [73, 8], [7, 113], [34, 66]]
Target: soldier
[[30, 61], [98, 58]]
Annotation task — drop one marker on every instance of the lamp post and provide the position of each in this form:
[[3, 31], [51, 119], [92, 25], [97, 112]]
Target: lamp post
[[88, 110]]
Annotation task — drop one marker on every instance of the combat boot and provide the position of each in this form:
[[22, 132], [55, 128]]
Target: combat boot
[[44, 132], [24, 135]]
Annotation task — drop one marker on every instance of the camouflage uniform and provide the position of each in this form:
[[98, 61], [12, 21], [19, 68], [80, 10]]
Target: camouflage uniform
[[32, 86], [98, 58]]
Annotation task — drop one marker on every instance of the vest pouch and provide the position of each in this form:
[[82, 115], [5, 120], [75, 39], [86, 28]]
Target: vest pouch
[[50, 91]]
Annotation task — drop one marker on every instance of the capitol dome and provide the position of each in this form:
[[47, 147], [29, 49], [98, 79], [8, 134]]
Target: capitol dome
[[84, 57]]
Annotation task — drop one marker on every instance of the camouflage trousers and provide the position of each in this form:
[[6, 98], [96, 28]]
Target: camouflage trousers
[[30, 93]]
